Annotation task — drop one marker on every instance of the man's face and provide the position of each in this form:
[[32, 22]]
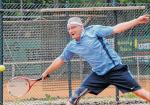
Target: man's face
[[75, 31]]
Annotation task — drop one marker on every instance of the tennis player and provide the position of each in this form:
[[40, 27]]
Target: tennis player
[[107, 68]]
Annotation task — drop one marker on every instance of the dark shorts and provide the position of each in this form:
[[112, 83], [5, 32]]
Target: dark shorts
[[118, 76]]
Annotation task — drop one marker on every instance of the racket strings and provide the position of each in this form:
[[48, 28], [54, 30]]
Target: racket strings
[[18, 87]]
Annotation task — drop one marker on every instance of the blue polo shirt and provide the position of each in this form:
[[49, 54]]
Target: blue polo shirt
[[94, 48]]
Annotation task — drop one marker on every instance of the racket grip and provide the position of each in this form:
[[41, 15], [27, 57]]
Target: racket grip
[[41, 78]]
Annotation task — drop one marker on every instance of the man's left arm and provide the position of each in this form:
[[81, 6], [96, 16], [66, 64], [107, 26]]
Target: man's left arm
[[122, 27]]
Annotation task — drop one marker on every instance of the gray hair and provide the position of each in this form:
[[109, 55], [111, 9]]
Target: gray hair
[[74, 20]]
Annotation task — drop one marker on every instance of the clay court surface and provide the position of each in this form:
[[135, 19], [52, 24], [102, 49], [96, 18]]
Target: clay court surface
[[59, 89]]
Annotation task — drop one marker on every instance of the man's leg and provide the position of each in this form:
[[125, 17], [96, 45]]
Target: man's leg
[[143, 94], [123, 79], [93, 84], [73, 100]]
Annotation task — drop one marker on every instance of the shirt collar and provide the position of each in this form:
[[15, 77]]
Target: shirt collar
[[82, 34]]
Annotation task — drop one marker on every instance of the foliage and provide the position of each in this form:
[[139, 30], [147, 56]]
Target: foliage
[[75, 1], [129, 96], [134, 1], [28, 1]]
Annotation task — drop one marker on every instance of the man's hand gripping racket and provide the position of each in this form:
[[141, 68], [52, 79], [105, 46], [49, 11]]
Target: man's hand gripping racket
[[20, 86]]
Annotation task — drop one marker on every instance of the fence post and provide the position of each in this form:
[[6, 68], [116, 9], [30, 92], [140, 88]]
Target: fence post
[[13, 70], [116, 46], [81, 68], [138, 68], [69, 63], [69, 78], [1, 53]]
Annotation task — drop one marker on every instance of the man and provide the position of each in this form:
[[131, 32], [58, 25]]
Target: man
[[107, 68]]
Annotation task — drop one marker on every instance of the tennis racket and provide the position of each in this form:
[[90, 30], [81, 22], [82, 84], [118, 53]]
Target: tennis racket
[[20, 86]]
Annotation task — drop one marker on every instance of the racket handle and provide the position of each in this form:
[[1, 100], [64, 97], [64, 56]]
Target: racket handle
[[41, 78]]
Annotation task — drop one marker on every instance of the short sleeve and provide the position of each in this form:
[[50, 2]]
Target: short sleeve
[[66, 55], [103, 31]]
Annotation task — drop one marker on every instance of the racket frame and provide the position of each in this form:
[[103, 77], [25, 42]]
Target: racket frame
[[30, 82]]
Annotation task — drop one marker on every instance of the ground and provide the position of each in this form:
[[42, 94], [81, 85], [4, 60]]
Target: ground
[[54, 95]]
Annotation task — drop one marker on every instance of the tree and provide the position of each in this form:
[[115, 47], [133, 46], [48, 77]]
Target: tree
[[76, 1], [134, 1]]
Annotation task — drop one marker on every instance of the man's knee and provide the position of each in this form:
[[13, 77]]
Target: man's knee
[[77, 95]]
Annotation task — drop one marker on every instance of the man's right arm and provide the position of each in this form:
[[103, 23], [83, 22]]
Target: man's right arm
[[56, 64]]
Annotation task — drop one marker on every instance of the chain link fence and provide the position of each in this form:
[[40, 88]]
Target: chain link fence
[[35, 34]]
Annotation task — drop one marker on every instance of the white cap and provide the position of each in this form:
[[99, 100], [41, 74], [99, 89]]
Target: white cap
[[75, 20]]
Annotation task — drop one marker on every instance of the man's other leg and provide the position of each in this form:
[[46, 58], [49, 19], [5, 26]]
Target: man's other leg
[[73, 100], [143, 94]]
